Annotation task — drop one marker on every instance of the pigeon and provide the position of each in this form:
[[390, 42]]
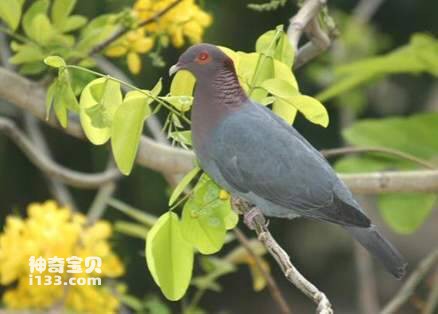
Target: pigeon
[[255, 155]]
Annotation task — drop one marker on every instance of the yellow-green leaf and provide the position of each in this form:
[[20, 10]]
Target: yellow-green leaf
[[206, 217], [55, 61], [61, 9], [126, 130], [311, 108], [45, 29], [169, 257], [183, 184], [111, 99], [182, 84], [37, 8], [181, 103], [285, 110], [406, 212], [10, 12]]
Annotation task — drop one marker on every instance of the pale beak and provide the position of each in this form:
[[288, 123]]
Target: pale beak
[[174, 68]]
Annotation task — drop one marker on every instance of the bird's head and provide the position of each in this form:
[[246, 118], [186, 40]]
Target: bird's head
[[203, 61]]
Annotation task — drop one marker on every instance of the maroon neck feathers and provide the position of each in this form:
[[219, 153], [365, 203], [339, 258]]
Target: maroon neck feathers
[[215, 98]]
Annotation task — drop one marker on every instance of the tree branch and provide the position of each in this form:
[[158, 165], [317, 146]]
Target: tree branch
[[432, 299], [387, 151], [123, 30], [258, 223], [272, 285], [411, 283], [163, 158], [73, 178]]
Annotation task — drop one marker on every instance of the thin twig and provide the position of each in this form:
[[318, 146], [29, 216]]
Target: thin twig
[[411, 283], [51, 168], [273, 287], [432, 299], [58, 189], [123, 30], [281, 257], [299, 21], [387, 151]]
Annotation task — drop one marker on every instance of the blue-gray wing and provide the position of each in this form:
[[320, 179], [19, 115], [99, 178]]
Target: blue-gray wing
[[257, 152]]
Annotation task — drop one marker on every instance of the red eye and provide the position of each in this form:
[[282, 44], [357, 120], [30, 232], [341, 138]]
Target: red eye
[[203, 56]]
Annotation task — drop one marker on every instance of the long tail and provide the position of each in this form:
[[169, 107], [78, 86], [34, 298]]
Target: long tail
[[380, 248]]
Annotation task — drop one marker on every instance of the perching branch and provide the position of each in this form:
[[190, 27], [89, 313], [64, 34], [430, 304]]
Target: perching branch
[[29, 96], [123, 30], [411, 283], [272, 285], [71, 177], [306, 21], [386, 151], [256, 221], [299, 21]]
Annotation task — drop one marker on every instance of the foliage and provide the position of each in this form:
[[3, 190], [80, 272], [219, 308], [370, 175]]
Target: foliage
[[267, 6], [419, 56], [415, 135], [50, 231]]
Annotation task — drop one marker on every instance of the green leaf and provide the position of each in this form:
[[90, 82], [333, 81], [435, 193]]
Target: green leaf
[[110, 99], [205, 216], [415, 135], [55, 61], [181, 103], [169, 257], [354, 164], [311, 108], [32, 68], [182, 84], [96, 31], [51, 91], [280, 88], [285, 110], [126, 130], [131, 229], [183, 137], [73, 23], [275, 43], [10, 12], [61, 9], [60, 110], [37, 8], [26, 54], [45, 29], [183, 184], [406, 212], [419, 55], [138, 215]]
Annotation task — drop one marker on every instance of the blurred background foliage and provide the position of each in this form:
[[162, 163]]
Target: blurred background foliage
[[382, 73]]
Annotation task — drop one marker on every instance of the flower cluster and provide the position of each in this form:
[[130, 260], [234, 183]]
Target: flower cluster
[[184, 21], [51, 231]]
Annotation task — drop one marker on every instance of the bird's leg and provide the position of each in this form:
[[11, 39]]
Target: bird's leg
[[250, 217]]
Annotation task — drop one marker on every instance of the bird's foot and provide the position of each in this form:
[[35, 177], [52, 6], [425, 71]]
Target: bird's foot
[[250, 216]]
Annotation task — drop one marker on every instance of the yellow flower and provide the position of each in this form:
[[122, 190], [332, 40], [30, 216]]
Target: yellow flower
[[132, 44], [51, 231], [186, 19]]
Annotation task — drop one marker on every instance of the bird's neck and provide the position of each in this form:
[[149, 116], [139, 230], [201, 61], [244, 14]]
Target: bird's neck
[[215, 98]]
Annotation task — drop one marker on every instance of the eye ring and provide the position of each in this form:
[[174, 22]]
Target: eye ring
[[203, 57]]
